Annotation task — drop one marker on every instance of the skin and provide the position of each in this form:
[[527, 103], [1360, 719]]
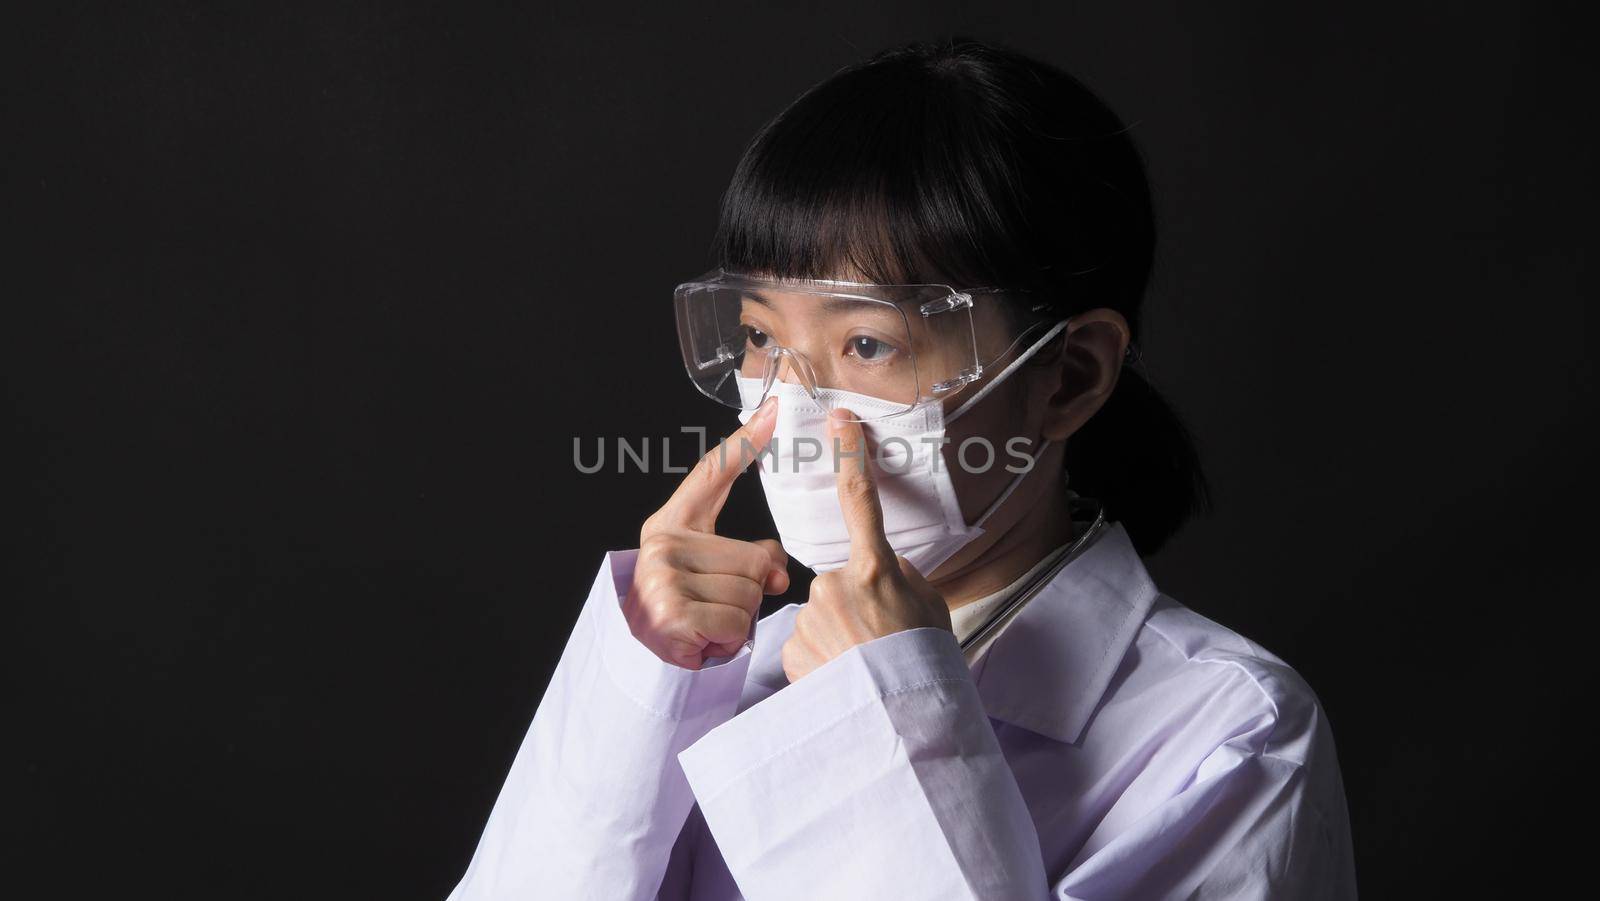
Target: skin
[[695, 593], [1055, 396]]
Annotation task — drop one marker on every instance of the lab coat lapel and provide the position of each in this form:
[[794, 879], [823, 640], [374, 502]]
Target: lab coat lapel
[[1049, 668]]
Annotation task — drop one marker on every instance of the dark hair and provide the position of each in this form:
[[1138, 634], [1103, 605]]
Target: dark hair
[[963, 163]]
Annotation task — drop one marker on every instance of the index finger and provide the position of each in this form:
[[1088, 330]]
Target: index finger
[[858, 496], [700, 496]]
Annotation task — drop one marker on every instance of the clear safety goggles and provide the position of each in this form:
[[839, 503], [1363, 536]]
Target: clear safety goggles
[[906, 345]]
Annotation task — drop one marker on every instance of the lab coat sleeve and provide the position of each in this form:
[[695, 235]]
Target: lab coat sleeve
[[595, 798], [877, 775], [1262, 817]]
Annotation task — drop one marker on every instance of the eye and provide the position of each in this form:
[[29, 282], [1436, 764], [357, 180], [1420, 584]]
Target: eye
[[756, 337], [871, 349]]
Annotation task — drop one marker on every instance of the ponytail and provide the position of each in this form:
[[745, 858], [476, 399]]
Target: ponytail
[[1137, 458]]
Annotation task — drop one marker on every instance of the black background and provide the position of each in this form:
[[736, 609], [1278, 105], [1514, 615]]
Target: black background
[[305, 308]]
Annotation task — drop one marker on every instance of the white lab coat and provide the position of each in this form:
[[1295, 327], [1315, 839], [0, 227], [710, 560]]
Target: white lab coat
[[1109, 744]]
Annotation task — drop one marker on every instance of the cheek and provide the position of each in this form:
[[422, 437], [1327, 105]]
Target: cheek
[[979, 474]]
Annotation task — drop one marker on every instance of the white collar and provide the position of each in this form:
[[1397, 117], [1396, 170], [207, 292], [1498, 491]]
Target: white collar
[[970, 617]]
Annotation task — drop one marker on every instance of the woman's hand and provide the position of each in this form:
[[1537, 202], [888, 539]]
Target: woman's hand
[[876, 593], [695, 593]]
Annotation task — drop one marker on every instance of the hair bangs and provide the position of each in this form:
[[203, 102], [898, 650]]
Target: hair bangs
[[852, 182]]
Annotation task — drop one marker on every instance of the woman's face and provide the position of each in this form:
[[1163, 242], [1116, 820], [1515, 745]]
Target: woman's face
[[892, 352]]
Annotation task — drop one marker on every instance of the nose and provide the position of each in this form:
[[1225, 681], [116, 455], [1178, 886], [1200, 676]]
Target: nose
[[792, 366]]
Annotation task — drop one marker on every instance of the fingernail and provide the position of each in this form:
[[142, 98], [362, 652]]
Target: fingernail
[[839, 417], [767, 408]]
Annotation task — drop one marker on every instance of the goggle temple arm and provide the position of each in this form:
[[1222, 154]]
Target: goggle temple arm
[[950, 303]]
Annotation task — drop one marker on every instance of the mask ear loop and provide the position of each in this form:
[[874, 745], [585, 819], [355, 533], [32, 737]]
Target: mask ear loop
[[984, 391], [995, 505], [1010, 368]]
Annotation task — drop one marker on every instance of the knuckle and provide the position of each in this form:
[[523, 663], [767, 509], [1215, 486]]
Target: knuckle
[[652, 525], [659, 589], [666, 550], [826, 596], [742, 625], [870, 570], [680, 653], [710, 468], [756, 561], [749, 596], [857, 487], [653, 543]]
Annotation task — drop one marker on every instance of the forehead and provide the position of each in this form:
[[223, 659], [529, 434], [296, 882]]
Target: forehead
[[792, 302]]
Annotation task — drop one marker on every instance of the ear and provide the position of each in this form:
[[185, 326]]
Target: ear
[[1088, 370]]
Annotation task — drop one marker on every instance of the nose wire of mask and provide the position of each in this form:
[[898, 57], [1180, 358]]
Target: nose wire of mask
[[922, 518]]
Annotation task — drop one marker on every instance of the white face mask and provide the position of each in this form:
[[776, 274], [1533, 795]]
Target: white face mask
[[921, 518]]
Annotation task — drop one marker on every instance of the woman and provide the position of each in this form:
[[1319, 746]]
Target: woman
[[930, 261]]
